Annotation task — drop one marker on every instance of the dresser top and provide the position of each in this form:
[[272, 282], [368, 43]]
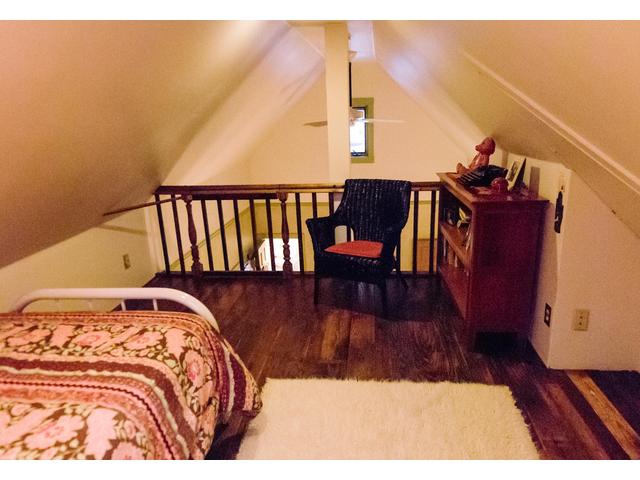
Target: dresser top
[[484, 195]]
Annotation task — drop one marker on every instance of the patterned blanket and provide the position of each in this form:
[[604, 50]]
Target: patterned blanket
[[126, 385]]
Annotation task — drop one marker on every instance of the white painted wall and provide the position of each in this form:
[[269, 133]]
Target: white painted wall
[[599, 271], [291, 152], [90, 259], [549, 177], [413, 70], [594, 264], [414, 150]]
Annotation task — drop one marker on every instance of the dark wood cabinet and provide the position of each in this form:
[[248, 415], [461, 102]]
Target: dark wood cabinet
[[489, 266]]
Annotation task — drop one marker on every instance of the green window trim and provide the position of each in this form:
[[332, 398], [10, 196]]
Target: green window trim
[[367, 104]]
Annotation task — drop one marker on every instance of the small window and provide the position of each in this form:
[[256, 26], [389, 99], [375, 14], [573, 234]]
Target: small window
[[361, 133]]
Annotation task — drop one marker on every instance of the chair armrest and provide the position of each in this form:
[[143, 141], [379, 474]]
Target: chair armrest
[[322, 231]]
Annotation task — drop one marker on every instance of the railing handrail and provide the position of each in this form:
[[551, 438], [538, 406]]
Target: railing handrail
[[199, 191], [136, 207], [272, 188]]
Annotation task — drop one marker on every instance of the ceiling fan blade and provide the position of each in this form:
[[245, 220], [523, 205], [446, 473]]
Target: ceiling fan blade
[[380, 120], [355, 114]]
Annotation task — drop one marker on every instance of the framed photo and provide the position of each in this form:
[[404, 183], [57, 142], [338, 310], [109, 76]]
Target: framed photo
[[516, 173]]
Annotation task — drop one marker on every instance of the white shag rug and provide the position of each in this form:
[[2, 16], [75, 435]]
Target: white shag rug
[[348, 419]]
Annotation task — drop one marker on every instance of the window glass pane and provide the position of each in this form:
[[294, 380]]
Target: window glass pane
[[358, 137], [358, 141]]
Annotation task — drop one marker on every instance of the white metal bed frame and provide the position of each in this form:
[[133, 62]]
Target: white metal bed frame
[[122, 294]]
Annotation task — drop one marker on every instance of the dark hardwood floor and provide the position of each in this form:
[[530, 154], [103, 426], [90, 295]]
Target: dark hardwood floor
[[278, 332]]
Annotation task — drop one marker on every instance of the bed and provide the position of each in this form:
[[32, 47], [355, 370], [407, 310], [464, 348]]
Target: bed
[[117, 385]]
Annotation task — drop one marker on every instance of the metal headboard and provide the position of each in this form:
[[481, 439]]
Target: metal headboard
[[122, 294]]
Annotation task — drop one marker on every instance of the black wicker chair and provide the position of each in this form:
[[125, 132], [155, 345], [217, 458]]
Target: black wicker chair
[[376, 211]]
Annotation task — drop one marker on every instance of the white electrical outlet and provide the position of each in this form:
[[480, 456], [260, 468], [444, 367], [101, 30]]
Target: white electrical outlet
[[581, 320]]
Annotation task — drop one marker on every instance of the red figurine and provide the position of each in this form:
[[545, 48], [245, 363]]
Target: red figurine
[[484, 149], [500, 185]]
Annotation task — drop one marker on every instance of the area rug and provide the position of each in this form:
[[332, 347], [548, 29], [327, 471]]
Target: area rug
[[349, 419]]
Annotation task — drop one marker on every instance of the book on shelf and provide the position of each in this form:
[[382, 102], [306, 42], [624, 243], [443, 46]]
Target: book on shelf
[[466, 237], [464, 218]]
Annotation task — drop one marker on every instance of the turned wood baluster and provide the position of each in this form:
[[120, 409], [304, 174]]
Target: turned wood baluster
[[287, 267], [196, 266]]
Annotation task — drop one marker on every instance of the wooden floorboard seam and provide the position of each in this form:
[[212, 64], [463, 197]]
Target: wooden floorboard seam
[[626, 436]]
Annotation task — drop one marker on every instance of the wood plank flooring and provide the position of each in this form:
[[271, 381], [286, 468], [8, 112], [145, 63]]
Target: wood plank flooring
[[278, 332]]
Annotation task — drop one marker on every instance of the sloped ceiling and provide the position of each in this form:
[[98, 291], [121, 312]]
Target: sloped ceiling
[[95, 114], [558, 91], [216, 154]]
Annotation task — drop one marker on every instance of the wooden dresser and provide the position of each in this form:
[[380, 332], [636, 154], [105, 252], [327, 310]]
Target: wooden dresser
[[490, 266]]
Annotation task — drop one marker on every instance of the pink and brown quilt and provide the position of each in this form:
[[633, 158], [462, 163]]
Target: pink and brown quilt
[[126, 385]]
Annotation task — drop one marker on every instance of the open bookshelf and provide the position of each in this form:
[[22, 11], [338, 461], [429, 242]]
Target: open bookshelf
[[455, 240], [488, 249]]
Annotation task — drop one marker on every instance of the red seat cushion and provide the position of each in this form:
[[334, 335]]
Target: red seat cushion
[[357, 248]]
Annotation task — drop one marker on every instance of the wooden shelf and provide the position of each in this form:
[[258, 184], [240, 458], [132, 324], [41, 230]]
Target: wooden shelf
[[471, 199], [458, 282], [454, 238], [494, 281]]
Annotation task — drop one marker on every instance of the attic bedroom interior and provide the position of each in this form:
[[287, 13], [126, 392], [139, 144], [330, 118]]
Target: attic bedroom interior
[[305, 239]]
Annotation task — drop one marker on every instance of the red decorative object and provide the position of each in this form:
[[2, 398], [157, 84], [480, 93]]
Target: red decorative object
[[357, 248], [484, 149], [500, 185]]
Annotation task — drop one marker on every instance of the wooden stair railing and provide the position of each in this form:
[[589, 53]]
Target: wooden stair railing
[[264, 194]]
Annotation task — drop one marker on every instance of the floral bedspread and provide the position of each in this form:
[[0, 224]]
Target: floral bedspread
[[126, 385]]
